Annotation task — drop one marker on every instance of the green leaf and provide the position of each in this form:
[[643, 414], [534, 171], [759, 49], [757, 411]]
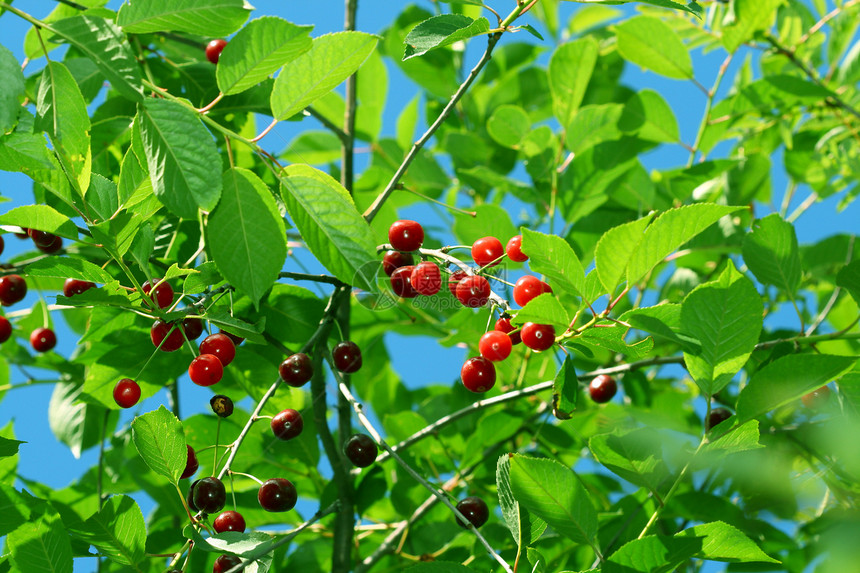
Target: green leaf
[[117, 530], [313, 148], [331, 59], [553, 257], [614, 250], [668, 232], [508, 125], [652, 44], [183, 161], [440, 31], [489, 221], [565, 390], [439, 567], [593, 124], [41, 217], [544, 309], [749, 17], [211, 18], [11, 90], [68, 268], [42, 544], [636, 456], [330, 224], [786, 379], [726, 317], [770, 251], [524, 527], [14, 509], [117, 233], [552, 492], [102, 198], [105, 44], [25, 152], [206, 276], [647, 116], [692, 7], [74, 422], [9, 447], [252, 332], [740, 439], [570, 69], [160, 441], [246, 234], [723, 542], [849, 279], [611, 336], [652, 554], [258, 50]]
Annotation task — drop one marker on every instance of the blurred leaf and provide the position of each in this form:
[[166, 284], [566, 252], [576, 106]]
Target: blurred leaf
[[749, 17], [570, 69], [508, 125], [160, 441], [723, 542], [652, 554], [440, 31], [651, 43], [593, 124], [647, 116], [9, 447], [636, 456], [849, 279]]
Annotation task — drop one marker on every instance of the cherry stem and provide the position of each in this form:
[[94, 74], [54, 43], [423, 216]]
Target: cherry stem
[[401, 187], [265, 131], [232, 473], [212, 104]]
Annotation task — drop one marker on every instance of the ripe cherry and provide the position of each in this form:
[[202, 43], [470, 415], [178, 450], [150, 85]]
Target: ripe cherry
[[55, 246], [347, 356], [24, 233], [237, 340], [478, 374], [209, 495], [538, 336], [5, 329], [277, 494], [221, 346], [189, 499], [206, 370], [287, 424], [455, 279], [426, 278], [229, 521], [226, 563], [527, 288], [514, 250], [191, 464], [487, 251], [393, 260], [473, 291], [475, 510], [41, 238], [43, 339], [296, 370], [2, 244], [401, 282], [126, 393], [817, 398], [716, 417], [495, 346], [172, 341], [193, 328], [74, 286], [602, 388], [163, 294], [13, 288], [214, 49], [361, 450], [221, 405], [406, 235], [504, 325]]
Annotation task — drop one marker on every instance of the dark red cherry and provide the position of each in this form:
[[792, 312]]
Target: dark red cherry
[[225, 563], [74, 286], [43, 339], [193, 328], [163, 294], [126, 393], [393, 260], [455, 279], [287, 424], [277, 494], [172, 339], [346, 356], [41, 238], [475, 510], [401, 282], [221, 405], [55, 246], [191, 464], [214, 49], [13, 288], [229, 521], [5, 329], [296, 370], [361, 450], [209, 495], [602, 388], [716, 417]]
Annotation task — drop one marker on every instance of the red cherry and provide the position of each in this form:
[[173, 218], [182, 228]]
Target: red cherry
[[455, 279], [41, 238], [277, 494], [287, 424], [406, 235], [191, 464], [487, 251], [24, 233], [602, 388], [478, 374], [237, 340], [13, 288], [172, 341], [538, 336], [514, 250], [74, 286], [475, 510], [56, 245], [214, 49], [473, 291], [206, 370], [2, 244], [5, 329], [361, 450], [221, 346], [504, 325], [495, 345], [393, 260], [346, 356], [527, 288], [43, 339], [401, 282], [229, 521], [126, 393], [193, 328], [226, 563], [163, 295], [296, 370], [716, 417], [426, 278]]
